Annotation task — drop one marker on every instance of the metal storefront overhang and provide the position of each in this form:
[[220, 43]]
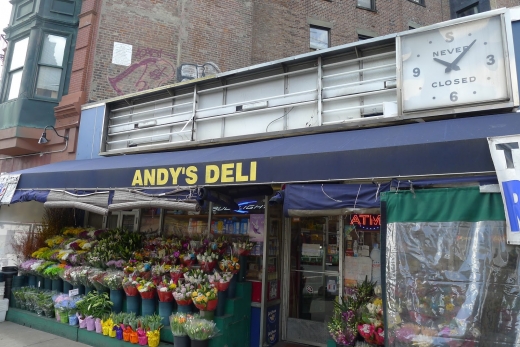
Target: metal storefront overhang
[[454, 147]]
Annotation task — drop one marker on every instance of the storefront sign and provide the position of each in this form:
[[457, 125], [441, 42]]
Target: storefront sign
[[191, 175], [505, 153], [366, 221], [8, 185]]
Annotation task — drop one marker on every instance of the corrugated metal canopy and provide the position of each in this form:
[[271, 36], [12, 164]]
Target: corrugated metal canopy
[[455, 146]]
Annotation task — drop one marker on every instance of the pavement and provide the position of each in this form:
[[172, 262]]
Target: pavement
[[15, 335]]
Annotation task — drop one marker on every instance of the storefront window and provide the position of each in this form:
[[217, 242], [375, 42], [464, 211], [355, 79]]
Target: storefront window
[[150, 220]]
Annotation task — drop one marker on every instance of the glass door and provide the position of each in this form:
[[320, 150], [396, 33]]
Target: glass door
[[314, 278]]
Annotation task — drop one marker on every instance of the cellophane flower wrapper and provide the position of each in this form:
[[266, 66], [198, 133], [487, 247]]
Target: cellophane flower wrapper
[[95, 277], [183, 291], [201, 329], [114, 279]]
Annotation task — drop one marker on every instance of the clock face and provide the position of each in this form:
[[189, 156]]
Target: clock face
[[453, 66]]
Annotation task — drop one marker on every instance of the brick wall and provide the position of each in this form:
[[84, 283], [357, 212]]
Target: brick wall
[[229, 34]]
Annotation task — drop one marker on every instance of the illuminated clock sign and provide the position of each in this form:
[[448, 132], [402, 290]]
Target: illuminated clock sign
[[366, 221]]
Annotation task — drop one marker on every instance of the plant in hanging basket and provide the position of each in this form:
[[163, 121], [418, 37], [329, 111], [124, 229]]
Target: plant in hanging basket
[[165, 290], [229, 264], [205, 297], [220, 280], [201, 329], [182, 294], [146, 289], [130, 286]]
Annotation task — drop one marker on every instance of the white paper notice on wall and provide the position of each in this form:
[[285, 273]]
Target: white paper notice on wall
[[122, 54], [357, 269]]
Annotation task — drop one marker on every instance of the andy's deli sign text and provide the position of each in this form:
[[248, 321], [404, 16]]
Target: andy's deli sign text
[[191, 175]]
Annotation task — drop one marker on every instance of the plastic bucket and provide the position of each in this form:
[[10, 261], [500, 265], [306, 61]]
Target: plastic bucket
[[147, 307], [66, 287], [31, 281], [165, 311], [47, 284], [221, 306], [133, 304], [181, 341], [232, 290], [57, 285], [116, 296]]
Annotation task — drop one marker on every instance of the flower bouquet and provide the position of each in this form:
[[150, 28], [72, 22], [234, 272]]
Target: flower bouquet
[[200, 329], [146, 288], [25, 267], [54, 271], [371, 325], [95, 278], [182, 294], [207, 260], [145, 270], [205, 297], [165, 289], [130, 286], [188, 258], [195, 276], [158, 271], [114, 280], [178, 322], [177, 272], [229, 264], [220, 280], [68, 275], [243, 247]]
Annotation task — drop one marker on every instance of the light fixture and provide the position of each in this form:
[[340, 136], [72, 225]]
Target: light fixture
[[43, 138]]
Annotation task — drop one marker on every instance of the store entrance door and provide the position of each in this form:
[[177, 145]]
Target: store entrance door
[[313, 284]]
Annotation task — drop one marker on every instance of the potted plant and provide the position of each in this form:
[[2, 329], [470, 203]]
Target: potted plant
[[134, 338], [154, 330], [200, 331], [100, 306], [141, 331], [177, 324], [128, 329]]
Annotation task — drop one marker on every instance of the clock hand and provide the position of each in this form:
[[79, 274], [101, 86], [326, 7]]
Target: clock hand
[[454, 63], [445, 63]]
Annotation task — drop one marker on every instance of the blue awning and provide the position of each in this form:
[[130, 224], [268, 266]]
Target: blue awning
[[455, 146]]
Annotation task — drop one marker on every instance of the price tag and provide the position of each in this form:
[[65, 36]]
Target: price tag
[[39, 284], [73, 292]]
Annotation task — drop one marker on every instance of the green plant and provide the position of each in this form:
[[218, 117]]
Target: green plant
[[94, 304], [201, 329], [154, 322]]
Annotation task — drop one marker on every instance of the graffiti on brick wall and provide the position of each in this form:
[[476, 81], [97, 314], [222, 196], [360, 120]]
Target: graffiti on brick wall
[[153, 69], [146, 74], [189, 71]]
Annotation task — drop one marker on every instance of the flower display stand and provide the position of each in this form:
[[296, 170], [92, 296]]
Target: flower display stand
[[235, 324], [221, 306], [47, 283], [232, 289], [73, 333], [32, 281]]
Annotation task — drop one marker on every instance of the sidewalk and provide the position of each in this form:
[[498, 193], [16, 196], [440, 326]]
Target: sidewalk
[[15, 335]]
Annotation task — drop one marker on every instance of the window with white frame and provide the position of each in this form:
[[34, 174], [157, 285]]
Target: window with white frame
[[16, 68], [50, 66], [367, 4], [320, 37]]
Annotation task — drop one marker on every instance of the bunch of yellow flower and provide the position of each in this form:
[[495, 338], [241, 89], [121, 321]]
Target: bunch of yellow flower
[[72, 231], [54, 241], [37, 254], [204, 293]]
